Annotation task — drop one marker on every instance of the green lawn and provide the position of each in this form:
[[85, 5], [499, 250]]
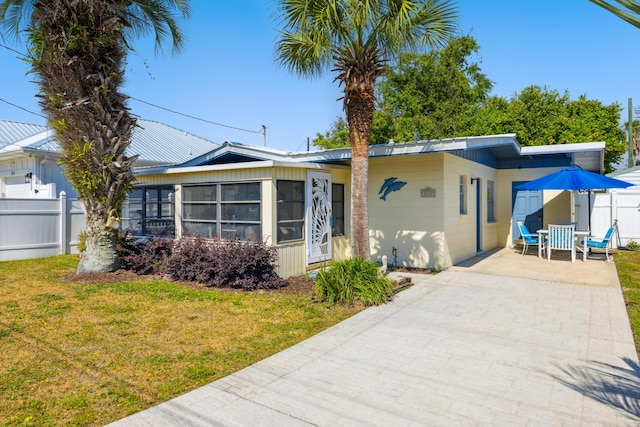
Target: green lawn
[[628, 265], [88, 354]]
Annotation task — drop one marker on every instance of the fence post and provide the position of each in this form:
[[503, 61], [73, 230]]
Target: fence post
[[64, 246]]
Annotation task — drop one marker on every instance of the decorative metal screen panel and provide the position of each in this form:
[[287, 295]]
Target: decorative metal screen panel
[[318, 217]]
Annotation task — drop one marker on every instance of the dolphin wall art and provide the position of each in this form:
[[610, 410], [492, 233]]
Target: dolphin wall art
[[390, 184]]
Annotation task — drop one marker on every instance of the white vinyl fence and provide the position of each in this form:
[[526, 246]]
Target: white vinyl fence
[[607, 207], [35, 228]]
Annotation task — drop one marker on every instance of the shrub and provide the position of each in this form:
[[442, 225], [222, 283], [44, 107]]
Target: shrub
[[633, 245], [238, 264], [143, 255], [351, 280]]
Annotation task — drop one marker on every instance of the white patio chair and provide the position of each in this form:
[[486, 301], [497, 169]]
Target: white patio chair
[[561, 238]]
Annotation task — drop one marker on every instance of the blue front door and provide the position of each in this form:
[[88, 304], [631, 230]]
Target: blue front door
[[527, 207]]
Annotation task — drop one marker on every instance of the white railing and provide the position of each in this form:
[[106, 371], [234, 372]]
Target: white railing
[[35, 228]]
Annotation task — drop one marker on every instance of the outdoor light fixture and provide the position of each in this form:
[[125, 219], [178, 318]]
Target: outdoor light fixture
[[27, 178], [474, 180]]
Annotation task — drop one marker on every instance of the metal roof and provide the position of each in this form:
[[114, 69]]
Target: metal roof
[[155, 143], [14, 132], [497, 151]]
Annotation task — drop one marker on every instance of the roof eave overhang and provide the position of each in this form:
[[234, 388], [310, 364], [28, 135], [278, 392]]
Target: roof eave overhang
[[178, 169], [587, 155]]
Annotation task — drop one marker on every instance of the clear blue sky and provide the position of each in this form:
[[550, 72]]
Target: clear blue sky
[[226, 73]]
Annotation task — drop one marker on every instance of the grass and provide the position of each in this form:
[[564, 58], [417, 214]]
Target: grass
[[628, 266], [88, 354]]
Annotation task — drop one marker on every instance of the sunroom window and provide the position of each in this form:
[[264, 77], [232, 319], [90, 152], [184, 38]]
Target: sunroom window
[[226, 211], [290, 211], [337, 201], [149, 211]]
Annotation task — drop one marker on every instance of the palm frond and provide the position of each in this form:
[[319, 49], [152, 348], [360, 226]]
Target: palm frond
[[631, 6], [157, 17], [12, 16]]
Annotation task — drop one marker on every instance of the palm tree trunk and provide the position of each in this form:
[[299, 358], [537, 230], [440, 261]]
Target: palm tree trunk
[[101, 254], [359, 111]]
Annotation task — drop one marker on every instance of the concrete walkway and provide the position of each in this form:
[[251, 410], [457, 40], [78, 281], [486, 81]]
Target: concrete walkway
[[460, 348]]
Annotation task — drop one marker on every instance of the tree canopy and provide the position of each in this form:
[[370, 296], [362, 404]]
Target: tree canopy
[[444, 94], [423, 96], [542, 116]]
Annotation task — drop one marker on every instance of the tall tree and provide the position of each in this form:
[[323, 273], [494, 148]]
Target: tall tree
[[630, 11], [77, 51], [425, 96], [336, 137], [357, 39], [541, 116]]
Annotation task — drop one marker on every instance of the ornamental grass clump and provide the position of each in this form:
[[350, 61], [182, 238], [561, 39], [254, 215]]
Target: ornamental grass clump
[[353, 280]]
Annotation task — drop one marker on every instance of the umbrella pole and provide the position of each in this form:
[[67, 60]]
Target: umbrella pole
[[589, 210]]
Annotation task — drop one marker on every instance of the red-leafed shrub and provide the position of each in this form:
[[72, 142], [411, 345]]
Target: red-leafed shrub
[[143, 255], [235, 263]]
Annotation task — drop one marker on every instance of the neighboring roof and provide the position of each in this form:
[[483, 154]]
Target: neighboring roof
[[13, 132], [498, 151], [155, 143], [631, 175]]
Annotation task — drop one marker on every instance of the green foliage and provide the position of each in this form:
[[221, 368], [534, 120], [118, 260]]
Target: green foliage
[[351, 280], [628, 267], [425, 95], [444, 94], [541, 116], [336, 137], [632, 244], [82, 241], [630, 13]]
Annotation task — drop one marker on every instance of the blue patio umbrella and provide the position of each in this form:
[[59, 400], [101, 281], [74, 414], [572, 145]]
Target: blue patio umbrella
[[574, 178]]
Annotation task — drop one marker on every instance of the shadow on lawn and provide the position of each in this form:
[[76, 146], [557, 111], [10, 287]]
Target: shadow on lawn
[[612, 385]]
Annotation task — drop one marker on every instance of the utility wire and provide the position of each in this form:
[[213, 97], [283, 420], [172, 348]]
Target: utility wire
[[196, 118], [22, 108], [261, 131], [12, 50]]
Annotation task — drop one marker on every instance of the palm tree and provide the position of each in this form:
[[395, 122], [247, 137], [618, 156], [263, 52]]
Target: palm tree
[[77, 51], [356, 39], [631, 14]]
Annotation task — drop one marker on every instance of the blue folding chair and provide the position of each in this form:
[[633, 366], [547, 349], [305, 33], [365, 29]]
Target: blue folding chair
[[601, 243], [528, 239]]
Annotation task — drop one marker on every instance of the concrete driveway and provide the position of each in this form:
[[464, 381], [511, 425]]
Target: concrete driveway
[[486, 343]]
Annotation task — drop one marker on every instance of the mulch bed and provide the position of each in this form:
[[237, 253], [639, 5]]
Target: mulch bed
[[296, 285], [299, 285]]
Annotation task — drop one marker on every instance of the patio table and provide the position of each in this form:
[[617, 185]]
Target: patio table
[[578, 234]]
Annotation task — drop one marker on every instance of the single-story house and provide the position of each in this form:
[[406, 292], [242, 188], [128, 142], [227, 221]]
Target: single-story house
[[431, 203], [29, 155]]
